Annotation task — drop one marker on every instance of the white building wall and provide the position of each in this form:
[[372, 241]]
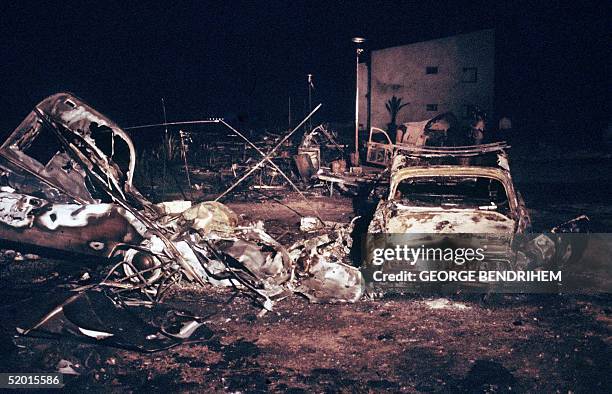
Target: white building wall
[[401, 71]]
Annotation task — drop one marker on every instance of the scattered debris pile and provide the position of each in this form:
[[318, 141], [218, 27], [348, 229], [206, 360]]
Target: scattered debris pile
[[102, 317], [67, 176], [323, 273], [66, 183], [320, 158]]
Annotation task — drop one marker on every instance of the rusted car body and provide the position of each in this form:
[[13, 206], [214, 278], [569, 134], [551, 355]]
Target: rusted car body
[[465, 195], [381, 147], [59, 189], [62, 188], [428, 194]]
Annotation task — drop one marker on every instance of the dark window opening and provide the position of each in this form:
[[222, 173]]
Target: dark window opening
[[431, 70], [454, 192], [44, 146], [118, 151], [431, 107], [380, 137], [469, 75]]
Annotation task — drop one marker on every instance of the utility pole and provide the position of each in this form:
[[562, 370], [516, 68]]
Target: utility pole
[[310, 86], [359, 50]]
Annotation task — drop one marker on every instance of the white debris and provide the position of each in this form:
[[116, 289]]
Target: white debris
[[310, 223], [443, 303], [67, 368], [95, 334], [173, 207]]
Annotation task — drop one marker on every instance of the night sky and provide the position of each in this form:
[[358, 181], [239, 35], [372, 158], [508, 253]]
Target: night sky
[[242, 60]]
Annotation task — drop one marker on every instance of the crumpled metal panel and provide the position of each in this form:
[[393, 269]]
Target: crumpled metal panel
[[328, 281], [322, 270], [210, 216], [93, 229], [16, 209]]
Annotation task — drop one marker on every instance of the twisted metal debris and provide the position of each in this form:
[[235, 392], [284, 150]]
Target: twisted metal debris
[[62, 190]]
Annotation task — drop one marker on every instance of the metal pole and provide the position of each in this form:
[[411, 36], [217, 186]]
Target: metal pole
[[184, 148], [357, 109], [145, 126], [269, 160], [358, 50], [309, 100]]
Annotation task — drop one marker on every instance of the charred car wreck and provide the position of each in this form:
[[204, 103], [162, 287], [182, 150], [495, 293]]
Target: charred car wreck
[[67, 183], [454, 191], [461, 190]]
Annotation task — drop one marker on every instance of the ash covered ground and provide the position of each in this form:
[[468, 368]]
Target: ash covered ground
[[510, 343]]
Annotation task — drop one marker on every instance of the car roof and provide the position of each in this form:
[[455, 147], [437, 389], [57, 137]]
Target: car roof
[[479, 156]]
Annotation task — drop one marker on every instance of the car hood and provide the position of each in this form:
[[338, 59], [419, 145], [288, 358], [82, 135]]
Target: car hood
[[439, 220]]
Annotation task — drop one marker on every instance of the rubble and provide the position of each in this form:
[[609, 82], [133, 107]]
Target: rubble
[[309, 224], [61, 189], [76, 198], [320, 158], [323, 274], [103, 318]]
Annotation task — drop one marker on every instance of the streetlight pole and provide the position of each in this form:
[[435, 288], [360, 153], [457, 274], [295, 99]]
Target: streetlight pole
[[310, 85], [359, 50]]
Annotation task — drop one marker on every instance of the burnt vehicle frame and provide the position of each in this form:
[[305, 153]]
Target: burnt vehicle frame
[[380, 146], [486, 162], [63, 122], [500, 221], [74, 197], [79, 200]]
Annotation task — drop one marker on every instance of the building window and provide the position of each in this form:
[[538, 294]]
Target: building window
[[431, 70], [469, 75], [431, 107]]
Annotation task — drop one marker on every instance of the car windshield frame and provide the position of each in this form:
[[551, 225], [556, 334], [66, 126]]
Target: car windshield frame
[[459, 198]]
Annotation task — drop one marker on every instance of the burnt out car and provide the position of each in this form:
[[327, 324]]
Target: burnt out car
[[465, 197], [451, 190]]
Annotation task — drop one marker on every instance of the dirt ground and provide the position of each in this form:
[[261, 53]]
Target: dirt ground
[[526, 343], [405, 344]]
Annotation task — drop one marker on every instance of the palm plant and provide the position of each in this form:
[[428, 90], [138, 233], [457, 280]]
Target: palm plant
[[394, 105]]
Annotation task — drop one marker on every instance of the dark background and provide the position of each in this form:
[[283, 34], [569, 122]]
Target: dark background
[[242, 60]]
